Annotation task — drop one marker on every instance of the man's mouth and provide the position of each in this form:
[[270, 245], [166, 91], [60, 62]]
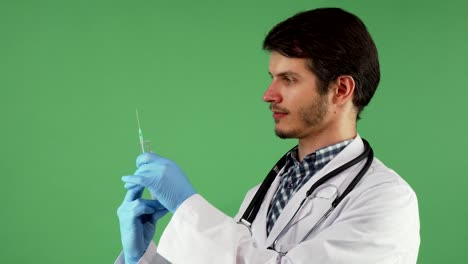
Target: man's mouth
[[278, 112], [278, 115]]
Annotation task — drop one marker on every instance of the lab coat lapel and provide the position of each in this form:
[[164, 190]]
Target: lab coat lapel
[[351, 151]]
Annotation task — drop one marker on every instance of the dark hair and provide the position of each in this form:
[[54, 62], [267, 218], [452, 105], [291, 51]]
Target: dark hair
[[335, 42]]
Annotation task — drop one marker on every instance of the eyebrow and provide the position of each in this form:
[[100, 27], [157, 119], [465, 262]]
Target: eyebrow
[[286, 74]]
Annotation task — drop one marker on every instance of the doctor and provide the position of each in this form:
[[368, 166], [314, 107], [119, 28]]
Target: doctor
[[325, 70]]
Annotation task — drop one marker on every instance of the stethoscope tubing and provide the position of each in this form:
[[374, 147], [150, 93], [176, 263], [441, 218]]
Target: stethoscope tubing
[[369, 153], [254, 206]]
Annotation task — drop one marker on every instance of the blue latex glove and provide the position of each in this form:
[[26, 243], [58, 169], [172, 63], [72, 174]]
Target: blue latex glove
[[137, 219], [163, 178]]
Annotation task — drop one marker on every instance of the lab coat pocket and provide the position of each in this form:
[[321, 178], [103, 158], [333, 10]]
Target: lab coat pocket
[[315, 207], [317, 204]]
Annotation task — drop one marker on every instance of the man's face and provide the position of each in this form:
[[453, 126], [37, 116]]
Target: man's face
[[298, 108]]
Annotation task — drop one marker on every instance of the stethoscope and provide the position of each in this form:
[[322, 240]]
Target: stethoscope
[[252, 210]]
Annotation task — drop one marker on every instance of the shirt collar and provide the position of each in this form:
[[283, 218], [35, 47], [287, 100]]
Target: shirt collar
[[319, 158]]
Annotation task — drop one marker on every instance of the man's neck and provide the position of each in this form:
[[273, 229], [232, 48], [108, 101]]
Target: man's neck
[[316, 141]]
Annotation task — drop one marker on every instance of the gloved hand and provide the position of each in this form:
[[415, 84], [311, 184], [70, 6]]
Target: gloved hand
[[163, 178], [137, 219]]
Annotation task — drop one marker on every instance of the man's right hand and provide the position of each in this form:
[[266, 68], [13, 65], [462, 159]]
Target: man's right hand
[[137, 219]]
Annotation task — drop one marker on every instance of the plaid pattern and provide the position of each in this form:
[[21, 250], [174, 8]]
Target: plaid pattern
[[296, 174]]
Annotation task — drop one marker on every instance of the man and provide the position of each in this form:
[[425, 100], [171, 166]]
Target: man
[[324, 70]]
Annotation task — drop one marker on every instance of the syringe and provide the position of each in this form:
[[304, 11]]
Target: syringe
[[144, 144]]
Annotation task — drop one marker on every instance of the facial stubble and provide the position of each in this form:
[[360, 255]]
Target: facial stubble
[[310, 116]]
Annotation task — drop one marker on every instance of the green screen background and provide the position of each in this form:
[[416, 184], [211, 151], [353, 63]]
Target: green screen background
[[73, 72]]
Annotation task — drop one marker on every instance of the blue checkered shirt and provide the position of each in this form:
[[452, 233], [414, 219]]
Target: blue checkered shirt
[[296, 174]]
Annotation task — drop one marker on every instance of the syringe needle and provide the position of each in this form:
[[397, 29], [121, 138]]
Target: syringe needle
[[140, 134]]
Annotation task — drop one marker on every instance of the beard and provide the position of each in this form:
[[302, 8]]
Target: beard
[[310, 116]]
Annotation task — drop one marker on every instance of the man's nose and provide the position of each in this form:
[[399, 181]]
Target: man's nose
[[272, 94]]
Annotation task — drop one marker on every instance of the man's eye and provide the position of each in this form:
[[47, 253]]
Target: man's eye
[[288, 80]]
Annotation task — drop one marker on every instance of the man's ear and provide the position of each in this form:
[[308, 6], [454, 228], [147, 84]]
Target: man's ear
[[343, 89]]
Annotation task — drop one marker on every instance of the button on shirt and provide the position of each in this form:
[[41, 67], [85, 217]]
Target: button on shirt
[[296, 174]]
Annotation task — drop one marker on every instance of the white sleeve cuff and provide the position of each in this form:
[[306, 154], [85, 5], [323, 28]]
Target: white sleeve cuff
[[151, 256]]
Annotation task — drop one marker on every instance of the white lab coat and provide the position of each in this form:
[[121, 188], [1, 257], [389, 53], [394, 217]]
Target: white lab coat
[[378, 222]]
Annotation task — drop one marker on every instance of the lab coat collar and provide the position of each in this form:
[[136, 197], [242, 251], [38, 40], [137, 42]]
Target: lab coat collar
[[351, 151]]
